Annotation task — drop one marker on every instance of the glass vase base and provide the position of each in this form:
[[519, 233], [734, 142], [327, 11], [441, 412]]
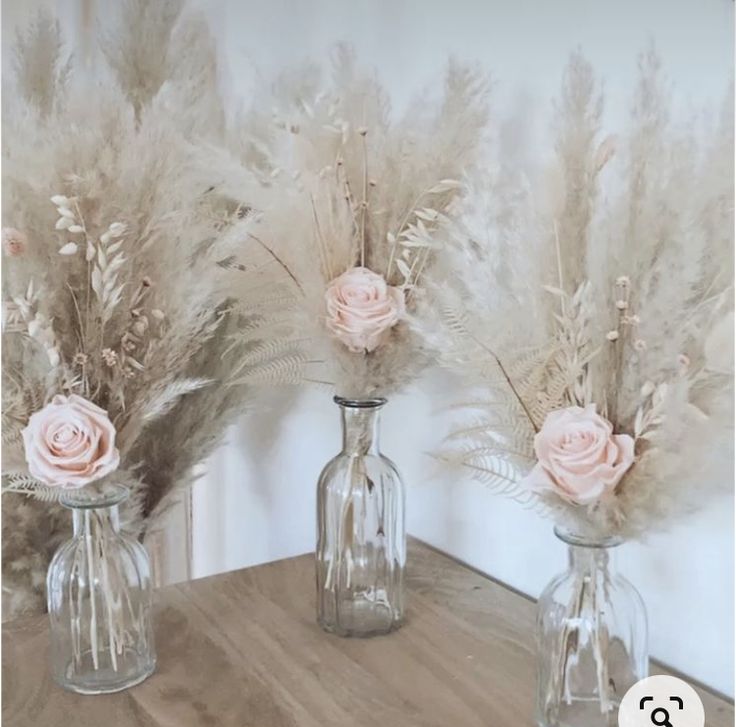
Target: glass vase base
[[356, 633], [583, 713], [361, 620], [131, 670]]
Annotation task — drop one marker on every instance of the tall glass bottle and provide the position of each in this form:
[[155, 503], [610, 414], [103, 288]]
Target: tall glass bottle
[[361, 546], [591, 637], [99, 599]]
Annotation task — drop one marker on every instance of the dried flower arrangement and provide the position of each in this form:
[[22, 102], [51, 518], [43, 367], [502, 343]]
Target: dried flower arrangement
[[116, 291], [350, 202], [597, 318]]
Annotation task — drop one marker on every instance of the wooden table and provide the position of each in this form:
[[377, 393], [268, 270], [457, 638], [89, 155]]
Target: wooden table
[[242, 649]]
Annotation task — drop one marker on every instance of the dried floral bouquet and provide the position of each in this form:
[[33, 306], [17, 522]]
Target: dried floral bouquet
[[117, 313], [596, 316], [350, 200]]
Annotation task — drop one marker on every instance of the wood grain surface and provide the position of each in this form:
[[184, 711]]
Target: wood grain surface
[[242, 649]]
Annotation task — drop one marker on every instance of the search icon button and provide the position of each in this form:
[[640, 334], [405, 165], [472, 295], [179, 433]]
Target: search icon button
[[665, 717], [661, 701]]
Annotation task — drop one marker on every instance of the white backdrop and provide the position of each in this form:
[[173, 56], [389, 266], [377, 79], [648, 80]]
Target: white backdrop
[[257, 501]]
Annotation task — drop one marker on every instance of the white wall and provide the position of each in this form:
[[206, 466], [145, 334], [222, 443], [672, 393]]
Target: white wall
[[257, 503]]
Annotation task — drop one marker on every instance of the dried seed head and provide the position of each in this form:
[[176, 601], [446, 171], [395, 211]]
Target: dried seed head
[[622, 304], [14, 242], [640, 344], [612, 336], [362, 130], [80, 359], [69, 249], [605, 152], [647, 389], [623, 280], [109, 357]]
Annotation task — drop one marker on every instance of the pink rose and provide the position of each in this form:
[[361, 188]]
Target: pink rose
[[578, 455], [362, 308], [14, 242], [70, 443]]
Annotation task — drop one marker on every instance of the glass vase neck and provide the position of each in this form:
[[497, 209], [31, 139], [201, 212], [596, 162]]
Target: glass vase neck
[[95, 508], [360, 425], [587, 552]]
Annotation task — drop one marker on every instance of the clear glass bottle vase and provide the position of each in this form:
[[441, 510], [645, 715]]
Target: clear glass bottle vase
[[361, 539], [99, 599], [591, 638]]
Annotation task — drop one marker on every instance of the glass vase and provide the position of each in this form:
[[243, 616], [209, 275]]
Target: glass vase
[[591, 638], [99, 599], [361, 541]]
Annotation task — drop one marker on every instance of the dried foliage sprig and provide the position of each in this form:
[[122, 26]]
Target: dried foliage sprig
[[350, 202], [116, 286], [611, 292]]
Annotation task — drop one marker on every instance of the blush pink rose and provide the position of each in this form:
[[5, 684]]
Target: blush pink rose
[[70, 443], [362, 308], [578, 455]]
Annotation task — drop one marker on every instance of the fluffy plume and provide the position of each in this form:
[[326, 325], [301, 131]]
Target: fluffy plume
[[122, 291], [613, 288]]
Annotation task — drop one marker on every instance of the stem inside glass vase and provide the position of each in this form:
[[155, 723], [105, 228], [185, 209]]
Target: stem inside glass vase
[[361, 541], [591, 637], [95, 519], [360, 424], [590, 559], [99, 598]]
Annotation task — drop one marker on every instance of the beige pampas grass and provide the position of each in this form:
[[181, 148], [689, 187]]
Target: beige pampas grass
[[613, 289], [122, 293], [338, 183]]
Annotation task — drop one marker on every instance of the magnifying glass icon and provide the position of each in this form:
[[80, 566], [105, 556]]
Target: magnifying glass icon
[[664, 720]]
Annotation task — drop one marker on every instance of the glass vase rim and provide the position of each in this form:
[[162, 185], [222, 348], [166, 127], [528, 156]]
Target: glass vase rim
[[586, 541], [89, 498], [371, 402]]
